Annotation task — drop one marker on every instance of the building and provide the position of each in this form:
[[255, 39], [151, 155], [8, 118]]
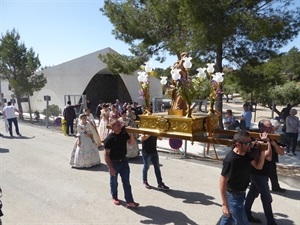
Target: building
[[89, 76]]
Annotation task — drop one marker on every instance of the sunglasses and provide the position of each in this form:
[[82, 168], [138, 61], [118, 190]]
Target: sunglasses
[[247, 143]]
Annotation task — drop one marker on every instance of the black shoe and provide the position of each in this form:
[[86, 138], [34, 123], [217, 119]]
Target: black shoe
[[279, 189], [146, 185], [253, 219], [162, 186]]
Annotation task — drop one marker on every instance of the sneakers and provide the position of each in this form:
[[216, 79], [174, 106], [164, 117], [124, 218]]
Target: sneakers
[[116, 201], [294, 153], [146, 185], [132, 205], [162, 186], [253, 219]]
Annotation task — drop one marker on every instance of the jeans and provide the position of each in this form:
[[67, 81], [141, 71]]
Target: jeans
[[10, 122], [122, 168], [291, 141], [237, 211], [154, 158], [259, 185]]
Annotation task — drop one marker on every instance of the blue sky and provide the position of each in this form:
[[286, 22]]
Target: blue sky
[[62, 30]]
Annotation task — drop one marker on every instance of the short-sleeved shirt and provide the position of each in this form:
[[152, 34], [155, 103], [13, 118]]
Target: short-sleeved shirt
[[9, 112], [248, 116], [237, 169], [149, 145], [117, 144]]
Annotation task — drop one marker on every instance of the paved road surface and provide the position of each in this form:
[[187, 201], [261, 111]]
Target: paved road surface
[[39, 187]]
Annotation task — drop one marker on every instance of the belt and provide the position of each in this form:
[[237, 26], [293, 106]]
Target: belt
[[118, 160], [236, 192]]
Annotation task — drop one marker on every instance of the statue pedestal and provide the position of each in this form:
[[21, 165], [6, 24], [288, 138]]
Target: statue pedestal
[[176, 126]]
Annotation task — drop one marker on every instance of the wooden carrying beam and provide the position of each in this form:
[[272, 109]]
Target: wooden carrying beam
[[198, 138], [252, 134]]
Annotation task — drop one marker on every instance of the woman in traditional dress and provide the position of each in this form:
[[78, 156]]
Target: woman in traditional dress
[[114, 114], [132, 150], [90, 118], [103, 130], [85, 153]]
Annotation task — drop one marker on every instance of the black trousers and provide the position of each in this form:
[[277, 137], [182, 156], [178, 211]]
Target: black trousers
[[70, 126], [273, 175]]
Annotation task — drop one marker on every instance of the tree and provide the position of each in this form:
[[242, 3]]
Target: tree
[[53, 110], [238, 31], [265, 82], [19, 65], [287, 93]]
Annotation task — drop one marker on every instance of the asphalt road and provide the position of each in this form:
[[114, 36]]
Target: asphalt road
[[39, 187]]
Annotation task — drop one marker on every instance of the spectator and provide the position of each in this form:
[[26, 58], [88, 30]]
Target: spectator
[[98, 110], [292, 131], [229, 120], [246, 117], [10, 115], [137, 110], [285, 112], [70, 115]]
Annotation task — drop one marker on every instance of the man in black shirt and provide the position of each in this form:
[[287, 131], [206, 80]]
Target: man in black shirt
[[260, 178], [115, 146], [235, 178], [150, 154]]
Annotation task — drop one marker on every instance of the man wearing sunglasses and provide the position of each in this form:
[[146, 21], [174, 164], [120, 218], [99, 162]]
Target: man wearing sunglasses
[[260, 178], [235, 178]]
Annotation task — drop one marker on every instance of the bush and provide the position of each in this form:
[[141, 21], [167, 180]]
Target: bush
[[53, 110]]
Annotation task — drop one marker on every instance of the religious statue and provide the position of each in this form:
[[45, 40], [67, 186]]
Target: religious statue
[[177, 100]]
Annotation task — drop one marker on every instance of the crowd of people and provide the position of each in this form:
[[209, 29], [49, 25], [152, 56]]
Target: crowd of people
[[245, 166], [111, 134]]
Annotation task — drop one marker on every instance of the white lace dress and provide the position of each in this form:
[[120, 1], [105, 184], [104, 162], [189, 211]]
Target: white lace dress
[[86, 154]]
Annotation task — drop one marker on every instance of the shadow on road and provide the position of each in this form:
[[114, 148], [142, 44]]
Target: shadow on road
[[101, 167], [292, 194], [159, 215], [17, 137], [190, 197], [4, 150]]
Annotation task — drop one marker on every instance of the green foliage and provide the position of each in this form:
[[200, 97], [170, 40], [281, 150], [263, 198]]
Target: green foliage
[[267, 82], [287, 93], [290, 63], [18, 65], [242, 32], [192, 89], [53, 110], [237, 31]]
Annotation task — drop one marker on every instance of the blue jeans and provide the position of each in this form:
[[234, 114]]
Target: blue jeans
[[122, 168], [237, 211], [259, 185], [10, 122], [154, 158]]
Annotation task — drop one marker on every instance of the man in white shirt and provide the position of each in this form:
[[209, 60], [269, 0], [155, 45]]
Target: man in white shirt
[[10, 115]]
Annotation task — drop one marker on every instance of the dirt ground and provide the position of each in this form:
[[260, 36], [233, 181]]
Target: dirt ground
[[293, 172]]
